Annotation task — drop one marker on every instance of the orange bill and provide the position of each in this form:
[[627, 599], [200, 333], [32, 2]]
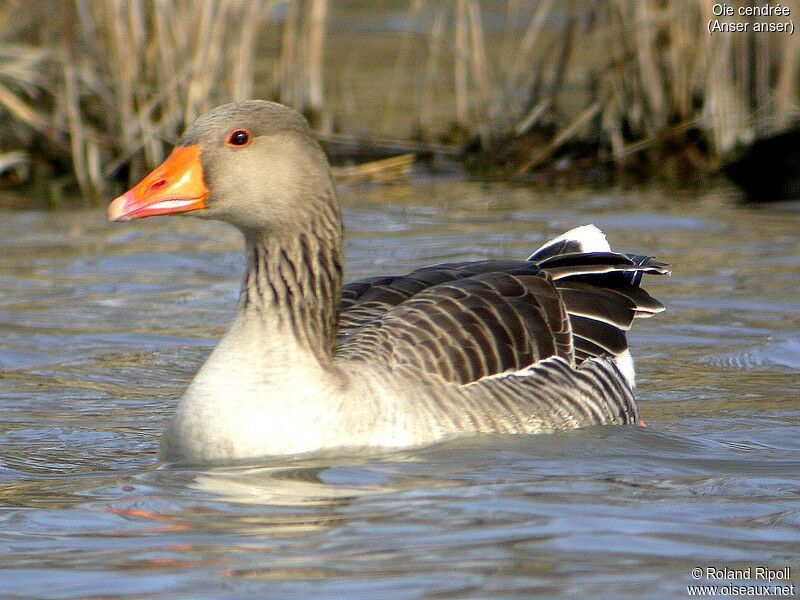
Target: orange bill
[[175, 186]]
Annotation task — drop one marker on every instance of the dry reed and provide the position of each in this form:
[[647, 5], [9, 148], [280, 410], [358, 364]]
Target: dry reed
[[120, 80], [639, 77], [106, 87]]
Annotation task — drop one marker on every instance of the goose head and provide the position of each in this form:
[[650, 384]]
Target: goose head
[[253, 164]]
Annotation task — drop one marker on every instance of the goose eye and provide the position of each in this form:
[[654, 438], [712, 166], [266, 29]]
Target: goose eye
[[238, 137]]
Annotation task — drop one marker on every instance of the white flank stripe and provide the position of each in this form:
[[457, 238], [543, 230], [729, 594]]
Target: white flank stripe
[[625, 366]]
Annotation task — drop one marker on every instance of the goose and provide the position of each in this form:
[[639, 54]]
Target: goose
[[309, 364]]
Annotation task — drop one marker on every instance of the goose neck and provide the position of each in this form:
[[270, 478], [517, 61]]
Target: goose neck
[[292, 287]]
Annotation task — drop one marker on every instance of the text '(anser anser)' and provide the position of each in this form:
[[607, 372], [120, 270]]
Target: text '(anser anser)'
[[506, 346]]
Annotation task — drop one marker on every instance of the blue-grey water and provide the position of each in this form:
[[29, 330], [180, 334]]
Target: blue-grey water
[[102, 325]]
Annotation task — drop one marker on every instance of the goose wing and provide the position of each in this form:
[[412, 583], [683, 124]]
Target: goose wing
[[465, 321], [468, 328], [367, 299]]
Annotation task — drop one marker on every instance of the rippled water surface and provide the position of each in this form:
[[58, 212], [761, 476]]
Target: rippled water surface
[[103, 325]]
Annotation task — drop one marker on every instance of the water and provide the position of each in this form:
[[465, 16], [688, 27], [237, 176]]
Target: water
[[103, 325]]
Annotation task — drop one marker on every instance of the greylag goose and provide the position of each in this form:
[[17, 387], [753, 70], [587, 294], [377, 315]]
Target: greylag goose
[[504, 346]]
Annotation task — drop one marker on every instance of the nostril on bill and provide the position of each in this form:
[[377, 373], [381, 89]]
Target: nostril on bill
[[158, 185]]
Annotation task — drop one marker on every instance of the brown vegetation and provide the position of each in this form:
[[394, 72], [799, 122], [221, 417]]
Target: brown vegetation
[[94, 93]]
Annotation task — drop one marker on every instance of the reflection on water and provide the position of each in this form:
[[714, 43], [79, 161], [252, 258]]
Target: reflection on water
[[103, 325]]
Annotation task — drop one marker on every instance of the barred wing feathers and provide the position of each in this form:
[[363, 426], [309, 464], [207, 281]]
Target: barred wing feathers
[[469, 328], [573, 298]]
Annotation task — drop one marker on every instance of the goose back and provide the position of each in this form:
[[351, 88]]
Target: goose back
[[467, 321]]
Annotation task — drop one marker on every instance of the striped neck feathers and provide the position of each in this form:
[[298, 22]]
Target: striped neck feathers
[[293, 284]]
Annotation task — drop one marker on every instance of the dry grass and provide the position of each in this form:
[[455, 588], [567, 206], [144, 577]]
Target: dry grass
[[103, 89], [642, 78], [117, 82], [386, 170], [122, 79], [668, 73]]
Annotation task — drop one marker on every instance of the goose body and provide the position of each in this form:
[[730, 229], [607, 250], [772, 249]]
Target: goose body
[[515, 346]]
